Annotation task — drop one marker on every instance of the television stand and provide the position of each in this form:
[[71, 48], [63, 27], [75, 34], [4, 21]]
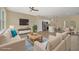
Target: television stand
[[24, 31]]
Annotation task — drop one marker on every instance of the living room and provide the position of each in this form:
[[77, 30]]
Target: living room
[[40, 24], [13, 18]]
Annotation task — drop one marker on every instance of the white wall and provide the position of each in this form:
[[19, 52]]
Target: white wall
[[38, 22], [13, 19]]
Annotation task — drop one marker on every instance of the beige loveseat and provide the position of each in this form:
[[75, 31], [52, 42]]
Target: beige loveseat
[[60, 42]]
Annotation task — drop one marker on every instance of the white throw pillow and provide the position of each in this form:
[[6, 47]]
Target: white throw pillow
[[7, 34]]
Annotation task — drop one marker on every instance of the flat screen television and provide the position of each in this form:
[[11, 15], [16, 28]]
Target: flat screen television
[[23, 21]]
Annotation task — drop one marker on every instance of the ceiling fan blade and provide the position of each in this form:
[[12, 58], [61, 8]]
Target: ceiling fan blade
[[32, 9], [35, 10]]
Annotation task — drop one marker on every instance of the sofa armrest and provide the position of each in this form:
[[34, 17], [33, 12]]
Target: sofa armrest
[[60, 46], [13, 45]]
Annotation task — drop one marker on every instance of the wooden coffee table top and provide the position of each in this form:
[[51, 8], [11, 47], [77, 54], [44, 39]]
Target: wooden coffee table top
[[35, 37]]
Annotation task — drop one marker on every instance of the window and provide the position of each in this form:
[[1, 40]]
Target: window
[[2, 19]]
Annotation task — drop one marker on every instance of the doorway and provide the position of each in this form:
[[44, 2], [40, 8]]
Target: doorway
[[45, 26]]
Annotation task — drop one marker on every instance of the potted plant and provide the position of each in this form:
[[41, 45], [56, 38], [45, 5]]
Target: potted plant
[[34, 28]]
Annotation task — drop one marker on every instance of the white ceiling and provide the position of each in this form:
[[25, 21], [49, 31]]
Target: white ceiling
[[48, 11]]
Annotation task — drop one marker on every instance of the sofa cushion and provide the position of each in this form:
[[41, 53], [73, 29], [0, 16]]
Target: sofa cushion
[[13, 32], [62, 35], [53, 42], [60, 47], [59, 35]]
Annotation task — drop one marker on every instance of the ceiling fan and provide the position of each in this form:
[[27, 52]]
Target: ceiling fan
[[33, 9]]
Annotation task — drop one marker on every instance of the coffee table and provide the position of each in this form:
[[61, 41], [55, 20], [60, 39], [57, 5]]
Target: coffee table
[[34, 37]]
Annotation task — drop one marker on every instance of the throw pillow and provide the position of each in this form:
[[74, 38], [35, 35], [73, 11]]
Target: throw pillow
[[13, 32], [7, 34]]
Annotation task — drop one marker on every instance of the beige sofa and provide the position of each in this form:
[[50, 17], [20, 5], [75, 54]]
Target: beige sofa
[[14, 45], [9, 43], [60, 42]]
